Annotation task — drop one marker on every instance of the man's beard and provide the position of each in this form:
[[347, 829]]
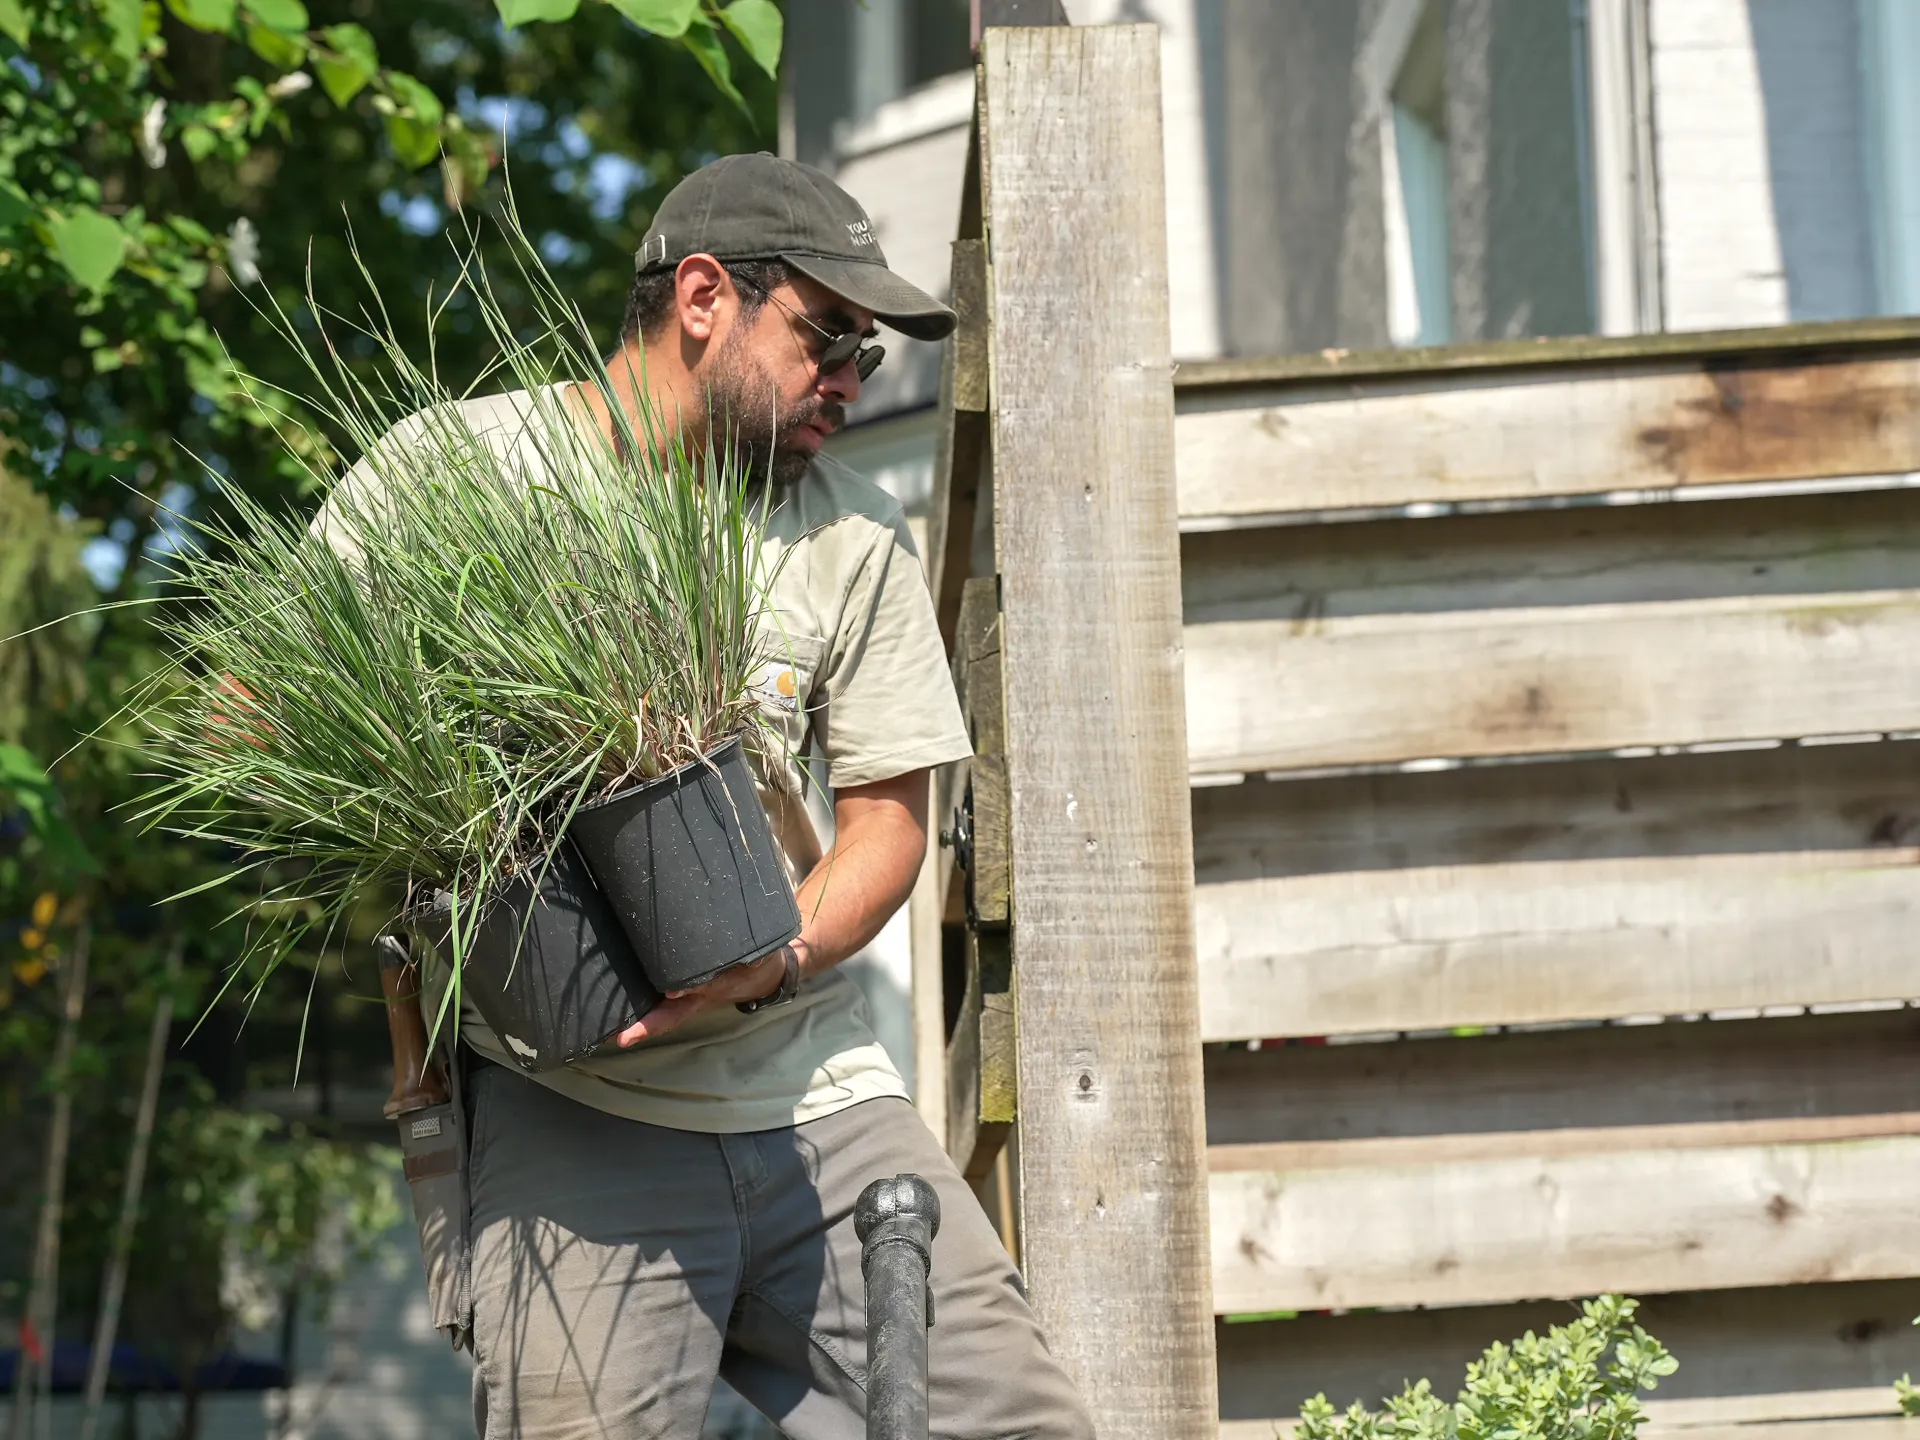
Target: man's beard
[[742, 410]]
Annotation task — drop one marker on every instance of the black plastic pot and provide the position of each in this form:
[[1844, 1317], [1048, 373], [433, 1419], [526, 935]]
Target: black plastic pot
[[689, 866], [552, 975]]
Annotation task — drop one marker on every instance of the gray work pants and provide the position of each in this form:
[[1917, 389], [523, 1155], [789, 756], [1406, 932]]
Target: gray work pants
[[618, 1266]]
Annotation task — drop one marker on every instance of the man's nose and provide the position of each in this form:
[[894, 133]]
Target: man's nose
[[842, 385]]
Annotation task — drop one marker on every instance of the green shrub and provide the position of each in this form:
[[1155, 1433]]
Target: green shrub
[[1577, 1382]]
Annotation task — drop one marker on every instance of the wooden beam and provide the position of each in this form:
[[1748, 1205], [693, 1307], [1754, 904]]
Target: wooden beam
[[1792, 797], [982, 1079], [1474, 1232], [1405, 1151], [1278, 695], [1768, 1357], [977, 661], [1112, 1177], [1529, 434], [1592, 555], [1600, 1079], [960, 450], [1779, 344], [1361, 952], [1668, 1421]]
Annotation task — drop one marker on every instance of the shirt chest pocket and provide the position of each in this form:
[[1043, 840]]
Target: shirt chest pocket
[[784, 680]]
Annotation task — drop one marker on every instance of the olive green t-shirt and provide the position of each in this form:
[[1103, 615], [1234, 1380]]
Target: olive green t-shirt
[[862, 681]]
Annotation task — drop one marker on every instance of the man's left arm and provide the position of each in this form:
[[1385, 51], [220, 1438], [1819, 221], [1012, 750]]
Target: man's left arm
[[880, 836]]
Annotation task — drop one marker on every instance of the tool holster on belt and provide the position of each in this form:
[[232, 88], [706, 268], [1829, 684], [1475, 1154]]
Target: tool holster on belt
[[429, 1108]]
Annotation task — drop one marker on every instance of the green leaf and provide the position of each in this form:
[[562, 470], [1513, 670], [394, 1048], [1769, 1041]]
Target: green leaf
[[15, 23], [277, 48], [416, 97], [524, 12], [757, 25], [414, 142], [14, 207], [704, 42], [34, 794], [663, 17], [199, 142], [345, 73], [124, 18], [90, 245], [287, 16], [209, 15]]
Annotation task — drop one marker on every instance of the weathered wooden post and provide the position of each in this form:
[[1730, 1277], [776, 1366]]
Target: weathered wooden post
[[1113, 1183]]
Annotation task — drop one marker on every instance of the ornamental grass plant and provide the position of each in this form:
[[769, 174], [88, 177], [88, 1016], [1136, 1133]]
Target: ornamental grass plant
[[479, 638]]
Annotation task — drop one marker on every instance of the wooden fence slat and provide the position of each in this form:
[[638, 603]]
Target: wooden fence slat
[[1112, 1166], [1819, 797], [1593, 555], [1535, 1227], [1401, 440], [1664, 1422], [960, 451], [1276, 695], [1611, 1078], [1403, 1151], [1522, 944], [982, 1085]]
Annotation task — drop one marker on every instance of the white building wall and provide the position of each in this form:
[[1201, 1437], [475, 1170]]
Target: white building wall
[[1719, 245], [1763, 201]]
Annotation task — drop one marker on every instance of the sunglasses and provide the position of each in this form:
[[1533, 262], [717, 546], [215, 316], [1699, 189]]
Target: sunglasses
[[835, 350]]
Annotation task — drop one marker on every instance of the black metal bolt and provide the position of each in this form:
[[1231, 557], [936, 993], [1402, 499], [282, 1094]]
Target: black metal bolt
[[896, 1221]]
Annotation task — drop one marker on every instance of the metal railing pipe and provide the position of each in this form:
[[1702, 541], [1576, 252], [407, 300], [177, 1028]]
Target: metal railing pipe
[[896, 1221]]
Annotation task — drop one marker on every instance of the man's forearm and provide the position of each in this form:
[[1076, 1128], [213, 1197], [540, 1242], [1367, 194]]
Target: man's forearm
[[857, 886]]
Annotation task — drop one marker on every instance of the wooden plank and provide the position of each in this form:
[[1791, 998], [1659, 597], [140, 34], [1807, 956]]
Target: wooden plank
[[1610, 1078], [1530, 1227], [1274, 695], [1747, 1357], [1531, 434], [978, 675], [1660, 1425], [1821, 797], [975, 646], [999, 1036], [982, 1084], [1790, 1406], [1586, 555], [1404, 1151], [1786, 344], [1519, 944], [1112, 1178], [960, 450]]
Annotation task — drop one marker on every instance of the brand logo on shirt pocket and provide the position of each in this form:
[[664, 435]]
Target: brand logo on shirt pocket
[[777, 687], [783, 683]]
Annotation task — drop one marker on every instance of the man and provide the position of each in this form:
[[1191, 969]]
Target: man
[[647, 1219]]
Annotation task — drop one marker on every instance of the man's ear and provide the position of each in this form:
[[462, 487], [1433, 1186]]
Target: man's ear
[[701, 289]]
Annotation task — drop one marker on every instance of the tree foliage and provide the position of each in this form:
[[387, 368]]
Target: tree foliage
[[169, 168]]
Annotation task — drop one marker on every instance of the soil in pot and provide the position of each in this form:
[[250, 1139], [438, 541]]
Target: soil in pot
[[551, 973], [689, 866]]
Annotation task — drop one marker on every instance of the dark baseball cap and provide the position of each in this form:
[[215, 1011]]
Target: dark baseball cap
[[760, 207]]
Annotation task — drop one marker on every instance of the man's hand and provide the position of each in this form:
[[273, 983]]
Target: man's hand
[[734, 986]]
